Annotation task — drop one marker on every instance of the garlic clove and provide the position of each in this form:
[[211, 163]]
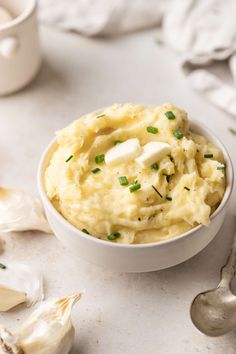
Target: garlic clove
[[10, 298], [48, 330], [8, 343], [20, 212], [23, 279]]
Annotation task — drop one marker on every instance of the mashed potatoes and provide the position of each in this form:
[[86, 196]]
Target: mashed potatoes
[[149, 203]]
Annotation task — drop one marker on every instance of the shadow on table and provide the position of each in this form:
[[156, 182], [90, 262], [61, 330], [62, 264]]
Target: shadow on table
[[82, 348], [47, 78]]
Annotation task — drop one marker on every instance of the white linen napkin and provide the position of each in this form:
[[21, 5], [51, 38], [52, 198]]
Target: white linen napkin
[[109, 17], [203, 32]]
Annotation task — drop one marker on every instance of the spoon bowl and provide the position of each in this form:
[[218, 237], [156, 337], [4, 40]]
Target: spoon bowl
[[213, 312]]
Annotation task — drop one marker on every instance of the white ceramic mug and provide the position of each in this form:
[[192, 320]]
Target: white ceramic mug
[[20, 56]]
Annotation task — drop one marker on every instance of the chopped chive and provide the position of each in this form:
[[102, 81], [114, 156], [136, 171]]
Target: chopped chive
[[178, 134], [220, 167], [99, 158], [170, 115], [123, 181], [152, 130], [168, 198], [155, 166], [187, 189], [157, 191], [69, 158], [208, 156], [134, 187], [100, 116], [232, 131], [96, 170], [118, 142], [114, 236], [2, 266], [85, 231], [167, 176], [159, 41]]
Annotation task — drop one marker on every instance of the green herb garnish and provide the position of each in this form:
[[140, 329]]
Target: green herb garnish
[[208, 155], [69, 158], [2, 266], [85, 231], [155, 166], [134, 187], [168, 198], [96, 170], [232, 131], [157, 191], [220, 167], [100, 116], [99, 158], [187, 189], [114, 236], [178, 134], [118, 142], [152, 130], [123, 181], [170, 115], [159, 41]]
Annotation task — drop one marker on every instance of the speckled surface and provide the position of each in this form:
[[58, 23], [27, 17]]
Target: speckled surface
[[119, 313]]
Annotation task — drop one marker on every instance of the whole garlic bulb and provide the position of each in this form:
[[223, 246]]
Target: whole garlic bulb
[[48, 330]]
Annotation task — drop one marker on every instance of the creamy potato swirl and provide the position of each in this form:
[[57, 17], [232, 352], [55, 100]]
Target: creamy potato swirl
[[189, 182]]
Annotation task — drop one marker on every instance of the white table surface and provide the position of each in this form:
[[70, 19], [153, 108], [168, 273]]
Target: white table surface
[[120, 313]]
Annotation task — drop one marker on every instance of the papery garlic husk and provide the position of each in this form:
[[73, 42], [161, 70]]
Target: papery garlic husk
[[8, 342], [10, 298], [20, 211], [48, 330], [21, 281]]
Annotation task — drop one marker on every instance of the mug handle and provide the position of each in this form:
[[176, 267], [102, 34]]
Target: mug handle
[[9, 47]]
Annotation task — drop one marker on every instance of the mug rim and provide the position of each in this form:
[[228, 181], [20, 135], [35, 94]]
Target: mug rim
[[26, 13]]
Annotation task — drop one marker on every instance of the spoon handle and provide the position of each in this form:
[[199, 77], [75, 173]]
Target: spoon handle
[[228, 270]]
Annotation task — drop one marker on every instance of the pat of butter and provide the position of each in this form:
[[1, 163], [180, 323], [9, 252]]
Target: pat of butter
[[5, 15], [123, 152], [153, 152]]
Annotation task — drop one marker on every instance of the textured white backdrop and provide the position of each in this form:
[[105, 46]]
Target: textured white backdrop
[[120, 313]]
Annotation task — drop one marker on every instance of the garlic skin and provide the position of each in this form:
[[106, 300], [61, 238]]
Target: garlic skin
[[23, 279], [10, 298], [8, 343], [21, 212], [48, 330]]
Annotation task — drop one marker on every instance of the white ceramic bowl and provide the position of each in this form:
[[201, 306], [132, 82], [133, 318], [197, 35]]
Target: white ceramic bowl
[[141, 257]]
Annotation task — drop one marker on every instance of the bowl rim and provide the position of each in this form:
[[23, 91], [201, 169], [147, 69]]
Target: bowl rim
[[194, 125], [25, 14]]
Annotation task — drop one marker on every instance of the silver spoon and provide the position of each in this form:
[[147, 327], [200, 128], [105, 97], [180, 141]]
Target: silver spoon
[[214, 312]]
